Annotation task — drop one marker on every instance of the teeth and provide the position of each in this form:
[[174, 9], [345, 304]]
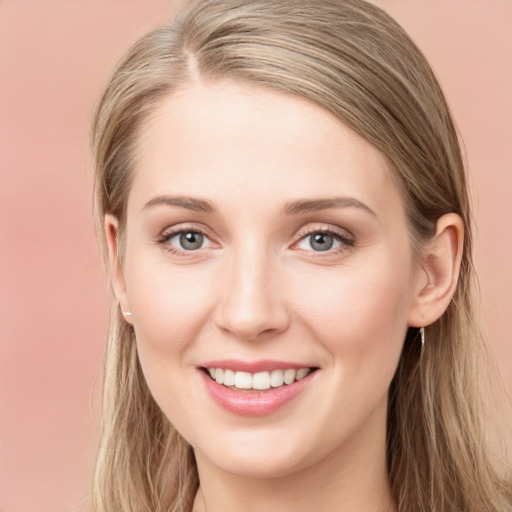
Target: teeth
[[277, 378], [229, 378], [260, 380], [302, 373], [289, 376], [243, 380]]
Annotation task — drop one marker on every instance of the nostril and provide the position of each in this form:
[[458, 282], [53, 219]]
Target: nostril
[[250, 312]]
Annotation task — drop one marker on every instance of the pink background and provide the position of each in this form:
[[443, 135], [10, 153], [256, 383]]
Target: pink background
[[54, 58]]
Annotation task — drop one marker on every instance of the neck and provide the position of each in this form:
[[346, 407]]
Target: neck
[[351, 479]]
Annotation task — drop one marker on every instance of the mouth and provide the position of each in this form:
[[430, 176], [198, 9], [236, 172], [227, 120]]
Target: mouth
[[262, 391], [259, 381]]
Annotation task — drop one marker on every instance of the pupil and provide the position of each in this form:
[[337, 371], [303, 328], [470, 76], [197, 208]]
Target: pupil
[[321, 242], [191, 240]]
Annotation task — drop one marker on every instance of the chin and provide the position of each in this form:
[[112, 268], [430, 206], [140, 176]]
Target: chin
[[261, 455]]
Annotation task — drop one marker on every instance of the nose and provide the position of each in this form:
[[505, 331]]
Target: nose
[[252, 303]]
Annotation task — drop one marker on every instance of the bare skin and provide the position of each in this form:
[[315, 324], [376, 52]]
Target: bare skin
[[261, 228]]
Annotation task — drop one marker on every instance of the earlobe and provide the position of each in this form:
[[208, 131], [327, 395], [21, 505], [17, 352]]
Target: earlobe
[[111, 226], [439, 272]]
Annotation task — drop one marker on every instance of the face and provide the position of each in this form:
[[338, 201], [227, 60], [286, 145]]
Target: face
[[266, 247]]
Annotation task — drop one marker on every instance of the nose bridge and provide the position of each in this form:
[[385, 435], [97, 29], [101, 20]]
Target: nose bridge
[[251, 302]]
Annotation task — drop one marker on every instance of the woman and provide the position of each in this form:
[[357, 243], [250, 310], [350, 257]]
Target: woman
[[283, 203]]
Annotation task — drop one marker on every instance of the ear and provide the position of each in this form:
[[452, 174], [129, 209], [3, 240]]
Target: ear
[[116, 270], [438, 273]]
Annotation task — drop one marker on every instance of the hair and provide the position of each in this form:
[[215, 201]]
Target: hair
[[354, 60]]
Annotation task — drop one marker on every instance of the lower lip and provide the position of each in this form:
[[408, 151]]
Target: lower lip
[[259, 403]]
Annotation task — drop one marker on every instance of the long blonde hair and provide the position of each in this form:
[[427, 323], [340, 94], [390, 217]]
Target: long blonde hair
[[352, 59]]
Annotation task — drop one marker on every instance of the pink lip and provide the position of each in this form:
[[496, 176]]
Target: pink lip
[[264, 365], [254, 403]]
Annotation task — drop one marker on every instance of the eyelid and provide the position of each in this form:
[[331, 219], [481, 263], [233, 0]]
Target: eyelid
[[186, 226], [172, 231], [346, 238], [319, 227], [178, 234]]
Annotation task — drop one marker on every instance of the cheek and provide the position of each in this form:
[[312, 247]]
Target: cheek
[[359, 312], [169, 306], [360, 320], [168, 303]]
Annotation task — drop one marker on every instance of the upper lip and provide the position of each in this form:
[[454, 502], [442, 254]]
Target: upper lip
[[263, 365]]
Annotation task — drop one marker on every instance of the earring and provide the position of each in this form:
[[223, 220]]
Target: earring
[[126, 313], [422, 337]]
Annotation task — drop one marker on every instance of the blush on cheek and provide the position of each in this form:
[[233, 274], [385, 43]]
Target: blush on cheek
[[361, 314], [170, 305]]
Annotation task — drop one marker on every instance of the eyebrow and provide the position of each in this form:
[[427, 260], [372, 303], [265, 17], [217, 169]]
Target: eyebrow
[[190, 203], [297, 207], [315, 205]]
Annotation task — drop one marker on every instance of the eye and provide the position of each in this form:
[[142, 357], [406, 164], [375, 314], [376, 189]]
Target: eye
[[323, 241], [185, 240], [319, 242]]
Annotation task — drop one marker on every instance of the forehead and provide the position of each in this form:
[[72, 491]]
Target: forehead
[[224, 140]]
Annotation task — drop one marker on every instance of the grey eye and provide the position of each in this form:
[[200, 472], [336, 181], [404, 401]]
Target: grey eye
[[185, 240], [321, 241], [191, 240]]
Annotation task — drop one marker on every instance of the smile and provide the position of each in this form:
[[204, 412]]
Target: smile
[[258, 388], [257, 381]]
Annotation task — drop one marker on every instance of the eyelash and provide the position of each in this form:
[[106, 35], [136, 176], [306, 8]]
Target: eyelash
[[345, 241], [164, 238]]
